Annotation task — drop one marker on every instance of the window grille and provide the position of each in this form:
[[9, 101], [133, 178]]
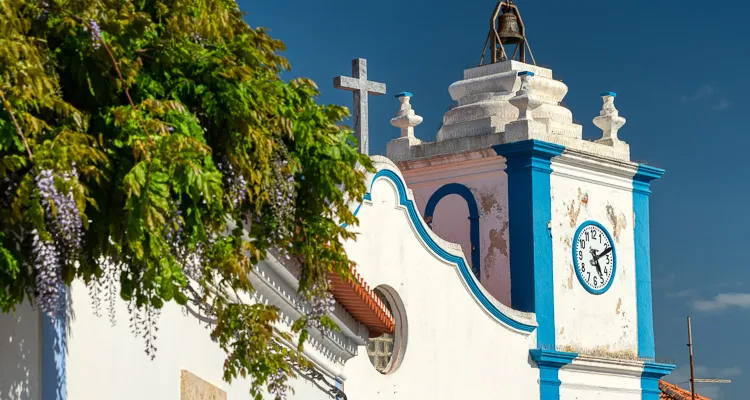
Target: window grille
[[380, 349]]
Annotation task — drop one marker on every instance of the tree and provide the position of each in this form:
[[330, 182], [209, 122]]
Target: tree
[[150, 145]]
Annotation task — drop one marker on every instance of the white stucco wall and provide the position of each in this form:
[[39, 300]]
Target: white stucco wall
[[486, 179], [455, 348], [590, 378], [603, 193], [20, 354], [110, 362]]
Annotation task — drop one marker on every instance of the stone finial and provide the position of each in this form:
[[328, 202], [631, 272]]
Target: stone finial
[[405, 118], [525, 99], [609, 121]]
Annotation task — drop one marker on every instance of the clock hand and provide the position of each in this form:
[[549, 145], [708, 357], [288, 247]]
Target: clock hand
[[604, 253], [595, 261]]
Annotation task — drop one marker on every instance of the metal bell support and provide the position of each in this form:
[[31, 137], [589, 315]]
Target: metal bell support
[[506, 28]]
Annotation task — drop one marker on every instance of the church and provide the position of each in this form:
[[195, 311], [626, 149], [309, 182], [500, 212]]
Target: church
[[509, 258]]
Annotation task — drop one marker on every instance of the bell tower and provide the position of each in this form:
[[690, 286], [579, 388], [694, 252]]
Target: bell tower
[[551, 223], [506, 29]]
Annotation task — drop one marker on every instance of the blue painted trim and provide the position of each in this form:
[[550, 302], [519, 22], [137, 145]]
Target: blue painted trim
[[613, 94], [576, 267], [642, 243], [404, 94], [530, 211], [463, 269], [650, 376], [339, 386], [524, 73], [465, 193], [53, 356], [549, 363]]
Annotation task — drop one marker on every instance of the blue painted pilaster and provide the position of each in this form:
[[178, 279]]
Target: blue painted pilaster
[[549, 363], [53, 355], [642, 241], [652, 372], [530, 212]]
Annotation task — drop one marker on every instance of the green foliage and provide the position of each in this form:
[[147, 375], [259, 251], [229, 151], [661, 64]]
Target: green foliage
[[169, 110]]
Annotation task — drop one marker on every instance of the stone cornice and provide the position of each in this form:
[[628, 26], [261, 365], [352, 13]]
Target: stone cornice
[[335, 348], [551, 358], [596, 169], [606, 366]]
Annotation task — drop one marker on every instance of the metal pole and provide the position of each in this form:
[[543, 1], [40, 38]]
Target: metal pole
[[692, 369]]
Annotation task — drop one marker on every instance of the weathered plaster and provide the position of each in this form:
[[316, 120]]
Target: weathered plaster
[[580, 194], [451, 336], [484, 175], [617, 220]]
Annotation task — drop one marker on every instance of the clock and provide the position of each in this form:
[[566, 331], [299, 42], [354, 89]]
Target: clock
[[594, 257]]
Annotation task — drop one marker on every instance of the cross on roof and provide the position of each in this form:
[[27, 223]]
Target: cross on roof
[[361, 88]]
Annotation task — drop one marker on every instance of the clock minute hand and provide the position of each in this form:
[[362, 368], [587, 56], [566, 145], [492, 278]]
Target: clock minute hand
[[604, 253], [595, 262]]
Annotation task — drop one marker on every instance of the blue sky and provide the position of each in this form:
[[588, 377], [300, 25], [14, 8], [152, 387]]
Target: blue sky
[[679, 71]]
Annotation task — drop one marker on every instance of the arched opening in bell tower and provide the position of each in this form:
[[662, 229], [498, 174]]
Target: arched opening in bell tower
[[454, 225]]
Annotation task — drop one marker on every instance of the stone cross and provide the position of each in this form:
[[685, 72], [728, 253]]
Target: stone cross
[[361, 87]]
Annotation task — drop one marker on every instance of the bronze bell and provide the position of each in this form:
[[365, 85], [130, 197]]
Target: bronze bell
[[509, 30]]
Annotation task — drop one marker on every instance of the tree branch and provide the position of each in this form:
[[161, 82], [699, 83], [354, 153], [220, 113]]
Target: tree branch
[[7, 106], [127, 92]]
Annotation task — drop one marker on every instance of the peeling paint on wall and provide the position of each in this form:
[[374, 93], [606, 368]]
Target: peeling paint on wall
[[490, 193], [497, 241], [570, 278], [487, 200], [580, 313], [619, 304], [618, 222], [575, 210]]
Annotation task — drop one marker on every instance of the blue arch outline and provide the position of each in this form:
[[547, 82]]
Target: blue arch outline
[[576, 267], [465, 193], [416, 219]]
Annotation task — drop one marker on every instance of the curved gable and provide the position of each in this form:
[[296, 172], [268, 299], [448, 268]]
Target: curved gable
[[447, 252]]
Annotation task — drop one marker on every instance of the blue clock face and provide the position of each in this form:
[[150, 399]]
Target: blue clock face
[[594, 257]]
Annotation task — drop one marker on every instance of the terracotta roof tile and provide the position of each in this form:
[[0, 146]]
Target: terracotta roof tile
[[359, 300], [671, 391]]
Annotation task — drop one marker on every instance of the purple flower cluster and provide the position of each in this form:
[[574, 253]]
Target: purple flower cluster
[[235, 183], [190, 261], [277, 385], [196, 38], [321, 303], [96, 33], [64, 225], [69, 222], [283, 200], [45, 11], [49, 282]]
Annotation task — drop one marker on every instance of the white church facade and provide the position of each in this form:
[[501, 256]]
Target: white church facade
[[509, 258]]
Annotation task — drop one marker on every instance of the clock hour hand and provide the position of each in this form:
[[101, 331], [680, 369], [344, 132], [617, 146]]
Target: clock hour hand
[[604, 253], [595, 262]]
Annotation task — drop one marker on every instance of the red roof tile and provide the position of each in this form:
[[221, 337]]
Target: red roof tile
[[671, 391], [362, 303]]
